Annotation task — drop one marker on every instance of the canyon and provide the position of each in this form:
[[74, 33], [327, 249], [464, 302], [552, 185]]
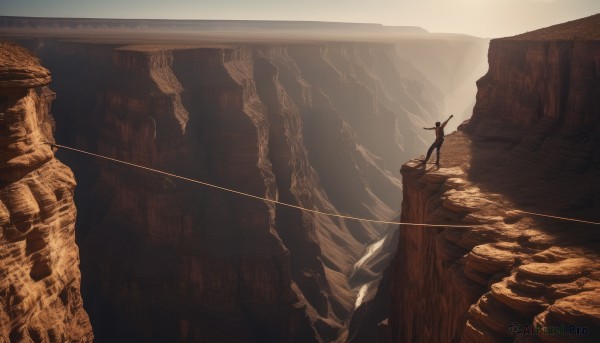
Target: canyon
[[40, 298], [317, 123], [322, 124], [321, 121]]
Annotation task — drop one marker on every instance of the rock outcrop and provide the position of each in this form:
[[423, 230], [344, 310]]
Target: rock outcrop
[[532, 145], [40, 298]]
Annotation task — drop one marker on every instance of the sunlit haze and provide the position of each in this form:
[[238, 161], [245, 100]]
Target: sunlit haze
[[484, 18]]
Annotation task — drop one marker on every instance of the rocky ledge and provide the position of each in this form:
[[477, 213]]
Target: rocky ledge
[[40, 300], [509, 271], [18, 68]]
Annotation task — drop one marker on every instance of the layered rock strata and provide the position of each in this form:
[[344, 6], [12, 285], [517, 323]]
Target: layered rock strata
[[40, 299], [245, 119], [532, 145]]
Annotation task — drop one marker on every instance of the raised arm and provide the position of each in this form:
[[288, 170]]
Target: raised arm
[[447, 120]]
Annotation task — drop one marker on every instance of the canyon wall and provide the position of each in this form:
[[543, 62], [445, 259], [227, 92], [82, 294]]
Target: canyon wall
[[40, 299], [321, 125], [533, 144], [274, 122]]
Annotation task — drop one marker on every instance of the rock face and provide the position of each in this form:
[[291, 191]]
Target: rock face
[[532, 145], [194, 263], [40, 298], [257, 120], [320, 125]]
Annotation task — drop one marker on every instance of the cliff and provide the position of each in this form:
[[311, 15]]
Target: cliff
[[261, 120], [40, 296], [532, 145], [318, 124]]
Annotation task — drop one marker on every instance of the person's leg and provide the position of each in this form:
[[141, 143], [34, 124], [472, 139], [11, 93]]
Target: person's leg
[[429, 152], [438, 147]]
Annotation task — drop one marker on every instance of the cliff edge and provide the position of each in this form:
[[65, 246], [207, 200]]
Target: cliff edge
[[533, 145], [40, 300]]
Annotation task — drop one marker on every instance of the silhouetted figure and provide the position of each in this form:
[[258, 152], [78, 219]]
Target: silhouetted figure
[[439, 139]]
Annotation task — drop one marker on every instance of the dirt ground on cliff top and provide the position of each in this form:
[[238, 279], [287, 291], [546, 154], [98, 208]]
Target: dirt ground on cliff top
[[14, 55], [586, 28], [527, 184]]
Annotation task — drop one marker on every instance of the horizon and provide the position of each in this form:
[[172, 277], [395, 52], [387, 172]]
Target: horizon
[[239, 20], [482, 18]]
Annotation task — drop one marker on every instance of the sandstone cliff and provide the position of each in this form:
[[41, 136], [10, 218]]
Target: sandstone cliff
[[40, 298], [533, 144]]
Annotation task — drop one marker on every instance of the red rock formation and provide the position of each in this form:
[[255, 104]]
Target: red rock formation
[[531, 145], [272, 273], [40, 300], [543, 76]]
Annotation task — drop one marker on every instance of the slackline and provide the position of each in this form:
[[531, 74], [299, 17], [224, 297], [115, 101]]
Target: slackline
[[295, 206]]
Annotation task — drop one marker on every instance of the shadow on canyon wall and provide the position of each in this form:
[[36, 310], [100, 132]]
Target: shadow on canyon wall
[[537, 132]]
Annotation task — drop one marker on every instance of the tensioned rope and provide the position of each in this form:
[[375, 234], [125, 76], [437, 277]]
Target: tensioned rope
[[250, 195], [557, 217], [290, 205]]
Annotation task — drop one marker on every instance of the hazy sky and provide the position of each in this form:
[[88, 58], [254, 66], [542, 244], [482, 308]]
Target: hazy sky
[[489, 18]]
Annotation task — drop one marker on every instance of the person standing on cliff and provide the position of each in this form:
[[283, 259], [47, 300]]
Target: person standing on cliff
[[439, 139]]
